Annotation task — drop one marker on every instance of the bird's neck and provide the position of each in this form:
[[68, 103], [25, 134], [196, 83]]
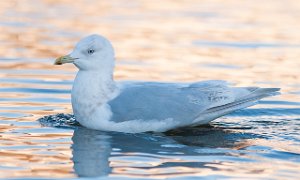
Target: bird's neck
[[92, 89]]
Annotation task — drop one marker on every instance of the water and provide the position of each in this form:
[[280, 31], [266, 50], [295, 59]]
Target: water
[[249, 43]]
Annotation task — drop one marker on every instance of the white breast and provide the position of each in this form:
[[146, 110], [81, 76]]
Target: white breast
[[90, 93]]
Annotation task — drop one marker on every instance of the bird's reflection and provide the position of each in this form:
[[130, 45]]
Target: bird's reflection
[[93, 149]]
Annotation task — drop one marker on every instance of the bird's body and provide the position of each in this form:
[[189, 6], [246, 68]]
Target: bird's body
[[101, 103]]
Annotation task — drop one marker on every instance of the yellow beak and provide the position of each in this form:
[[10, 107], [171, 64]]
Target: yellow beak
[[64, 59]]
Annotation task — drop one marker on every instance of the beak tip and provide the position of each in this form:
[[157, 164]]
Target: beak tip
[[57, 62], [64, 59]]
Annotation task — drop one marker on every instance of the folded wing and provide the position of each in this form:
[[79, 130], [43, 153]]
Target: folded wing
[[182, 103]]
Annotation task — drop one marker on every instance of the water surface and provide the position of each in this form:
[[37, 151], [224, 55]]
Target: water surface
[[249, 43]]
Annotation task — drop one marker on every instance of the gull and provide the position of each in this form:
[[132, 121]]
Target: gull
[[99, 102]]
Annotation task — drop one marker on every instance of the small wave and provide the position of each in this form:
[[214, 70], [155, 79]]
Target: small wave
[[59, 120]]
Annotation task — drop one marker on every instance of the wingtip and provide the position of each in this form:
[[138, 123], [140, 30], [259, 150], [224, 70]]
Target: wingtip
[[272, 91]]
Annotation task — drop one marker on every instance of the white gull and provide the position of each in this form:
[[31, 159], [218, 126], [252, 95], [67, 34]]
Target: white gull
[[101, 103]]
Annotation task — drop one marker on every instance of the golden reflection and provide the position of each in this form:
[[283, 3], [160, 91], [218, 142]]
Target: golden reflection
[[32, 159]]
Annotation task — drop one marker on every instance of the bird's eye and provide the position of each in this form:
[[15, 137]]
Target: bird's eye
[[91, 51]]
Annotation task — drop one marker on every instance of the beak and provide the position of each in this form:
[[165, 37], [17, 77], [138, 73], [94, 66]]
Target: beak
[[64, 59]]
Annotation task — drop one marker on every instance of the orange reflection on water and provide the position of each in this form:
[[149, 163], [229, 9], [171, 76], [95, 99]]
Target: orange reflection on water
[[28, 153]]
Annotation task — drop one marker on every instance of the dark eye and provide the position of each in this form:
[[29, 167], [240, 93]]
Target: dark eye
[[91, 51]]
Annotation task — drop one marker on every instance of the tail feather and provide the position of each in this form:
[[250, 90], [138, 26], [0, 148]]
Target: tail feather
[[246, 101], [267, 91], [255, 95]]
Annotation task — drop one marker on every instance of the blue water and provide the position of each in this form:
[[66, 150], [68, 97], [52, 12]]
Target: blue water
[[237, 41]]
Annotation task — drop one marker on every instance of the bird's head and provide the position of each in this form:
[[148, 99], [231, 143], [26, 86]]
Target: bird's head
[[92, 53]]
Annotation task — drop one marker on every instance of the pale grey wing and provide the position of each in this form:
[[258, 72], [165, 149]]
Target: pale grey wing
[[160, 102]]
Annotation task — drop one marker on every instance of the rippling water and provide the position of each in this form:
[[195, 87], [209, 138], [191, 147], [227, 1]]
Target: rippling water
[[245, 42]]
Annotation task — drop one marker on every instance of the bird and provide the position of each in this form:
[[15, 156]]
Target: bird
[[101, 103]]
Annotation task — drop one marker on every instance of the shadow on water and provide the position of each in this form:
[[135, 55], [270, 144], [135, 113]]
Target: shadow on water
[[95, 152], [212, 136], [92, 150]]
